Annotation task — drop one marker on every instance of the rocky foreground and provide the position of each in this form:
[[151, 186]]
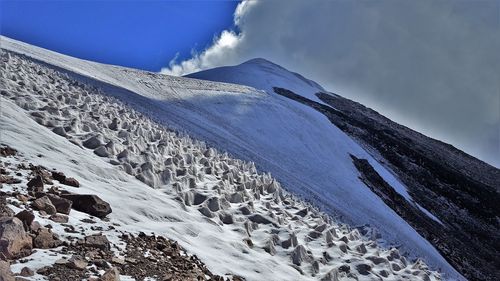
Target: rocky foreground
[[34, 224]]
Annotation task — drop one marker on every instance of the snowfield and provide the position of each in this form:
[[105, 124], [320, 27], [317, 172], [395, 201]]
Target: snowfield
[[118, 130]]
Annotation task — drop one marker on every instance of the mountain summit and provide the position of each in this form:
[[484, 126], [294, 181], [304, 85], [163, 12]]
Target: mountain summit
[[261, 74]]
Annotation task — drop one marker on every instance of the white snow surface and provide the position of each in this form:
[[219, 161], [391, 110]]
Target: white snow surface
[[263, 75], [301, 148]]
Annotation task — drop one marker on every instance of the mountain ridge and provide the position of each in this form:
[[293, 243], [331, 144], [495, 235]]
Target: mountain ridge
[[436, 173]]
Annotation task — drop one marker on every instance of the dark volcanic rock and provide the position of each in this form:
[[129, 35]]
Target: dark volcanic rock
[[58, 176], [36, 183], [460, 190], [26, 217], [90, 204]]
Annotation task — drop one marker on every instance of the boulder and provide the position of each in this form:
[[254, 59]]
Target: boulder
[[62, 205], [44, 204], [90, 204], [45, 239], [14, 241]]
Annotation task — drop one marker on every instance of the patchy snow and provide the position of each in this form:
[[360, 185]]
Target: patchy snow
[[297, 144]]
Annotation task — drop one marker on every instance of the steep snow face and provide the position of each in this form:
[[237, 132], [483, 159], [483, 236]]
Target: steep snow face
[[263, 75], [297, 144]]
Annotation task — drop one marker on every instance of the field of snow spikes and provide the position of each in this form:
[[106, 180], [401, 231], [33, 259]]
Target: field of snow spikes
[[228, 192]]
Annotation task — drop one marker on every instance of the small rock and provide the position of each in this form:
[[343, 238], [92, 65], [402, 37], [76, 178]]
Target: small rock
[[111, 274], [45, 239], [62, 205], [77, 262], [44, 204], [27, 272], [71, 182], [26, 217], [118, 260], [97, 241], [4, 210], [59, 218], [36, 183], [58, 176]]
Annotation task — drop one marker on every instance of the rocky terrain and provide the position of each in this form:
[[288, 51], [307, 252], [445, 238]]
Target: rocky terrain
[[461, 191], [255, 218], [82, 251]]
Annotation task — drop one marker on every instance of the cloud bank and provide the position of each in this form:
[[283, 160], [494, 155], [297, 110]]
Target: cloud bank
[[430, 65]]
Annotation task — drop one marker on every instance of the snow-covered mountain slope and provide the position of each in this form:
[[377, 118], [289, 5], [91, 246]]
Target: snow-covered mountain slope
[[297, 144], [216, 207], [434, 173]]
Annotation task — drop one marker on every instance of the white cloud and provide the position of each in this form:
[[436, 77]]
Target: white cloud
[[431, 65]]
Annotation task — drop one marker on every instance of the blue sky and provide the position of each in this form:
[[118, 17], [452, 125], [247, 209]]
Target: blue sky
[[139, 34]]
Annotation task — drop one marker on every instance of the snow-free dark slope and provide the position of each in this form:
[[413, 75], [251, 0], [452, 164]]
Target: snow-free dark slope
[[458, 189], [300, 146]]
